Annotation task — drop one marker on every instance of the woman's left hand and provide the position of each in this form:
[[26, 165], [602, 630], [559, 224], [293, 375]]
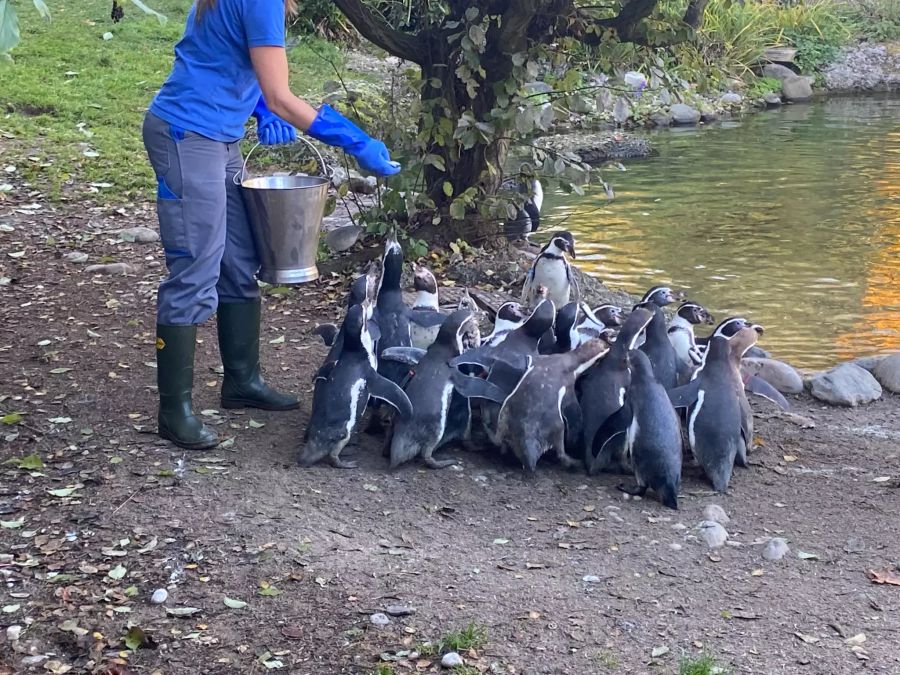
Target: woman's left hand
[[275, 131]]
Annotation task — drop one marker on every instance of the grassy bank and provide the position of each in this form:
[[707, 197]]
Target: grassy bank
[[72, 101]]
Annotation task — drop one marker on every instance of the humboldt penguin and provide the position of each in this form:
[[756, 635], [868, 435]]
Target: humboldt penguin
[[509, 316], [551, 269], [439, 415], [528, 218], [597, 322], [426, 301], [652, 434], [602, 389], [362, 292], [342, 390], [656, 342], [681, 335]]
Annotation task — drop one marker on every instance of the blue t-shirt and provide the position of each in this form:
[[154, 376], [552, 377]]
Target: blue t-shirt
[[213, 89]]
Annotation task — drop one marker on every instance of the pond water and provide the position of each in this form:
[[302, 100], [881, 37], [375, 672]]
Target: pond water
[[789, 217]]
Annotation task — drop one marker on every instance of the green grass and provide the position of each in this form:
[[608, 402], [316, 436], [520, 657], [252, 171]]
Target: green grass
[[702, 665], [472, 636], [69, 91]]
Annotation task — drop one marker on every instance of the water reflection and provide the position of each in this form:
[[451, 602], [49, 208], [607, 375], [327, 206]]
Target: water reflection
[[791, 217]]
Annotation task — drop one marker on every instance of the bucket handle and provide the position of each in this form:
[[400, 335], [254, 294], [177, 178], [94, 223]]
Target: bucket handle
[[238, 178]]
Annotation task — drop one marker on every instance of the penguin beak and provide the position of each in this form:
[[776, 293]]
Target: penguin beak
[[710, 319], [759, 329], [571, 248]]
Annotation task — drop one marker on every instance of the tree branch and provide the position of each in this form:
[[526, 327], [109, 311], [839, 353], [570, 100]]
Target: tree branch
[[377, 31], [693, 15]]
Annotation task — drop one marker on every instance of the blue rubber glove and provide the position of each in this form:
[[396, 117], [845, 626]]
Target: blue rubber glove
[[332, 128], [270, 128]]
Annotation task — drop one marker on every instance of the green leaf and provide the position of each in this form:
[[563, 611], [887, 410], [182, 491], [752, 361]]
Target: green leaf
[[42, 9], [12, 418], [458, 209], [117, 572], [159, 17], [29, 462], [436, 161], [448, 188], [12, 524], [9, 27], [134, 638], [803, 555], [66, 491], [256, 425], [269, 592], [235, 604], [59, 371]]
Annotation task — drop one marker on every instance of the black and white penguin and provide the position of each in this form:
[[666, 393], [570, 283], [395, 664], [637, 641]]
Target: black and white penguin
[[602, 389], [681, 335], [560, 338], [551, 270], [439, 414], [649, 428], [601, 321], [510, 316], [342, 390], [719, 419], [362, 292], [656, 342], [426, 301], [528, 218]]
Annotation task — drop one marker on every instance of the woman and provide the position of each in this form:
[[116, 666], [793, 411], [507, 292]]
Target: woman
[[230, 63]]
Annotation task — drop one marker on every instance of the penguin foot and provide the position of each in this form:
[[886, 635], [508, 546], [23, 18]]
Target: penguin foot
[[568, 461], [633, 490], [433, 463], [339, 463]]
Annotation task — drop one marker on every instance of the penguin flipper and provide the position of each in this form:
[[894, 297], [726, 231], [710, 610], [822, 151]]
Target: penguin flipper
[[324, 372], [383, 389], [684, 396], [476, 387], [610, 439], [407, 355], [374, 330], [479, 356], [756, 385], [573, 419], [328, 332], [426, 318]]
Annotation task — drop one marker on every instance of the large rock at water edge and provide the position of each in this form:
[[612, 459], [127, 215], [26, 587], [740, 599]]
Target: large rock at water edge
[[847, 384], [731, 98], [772, 99], [684, 114], [796, 89], [661, 119], [777, 373], [777, 71], [887, 372]]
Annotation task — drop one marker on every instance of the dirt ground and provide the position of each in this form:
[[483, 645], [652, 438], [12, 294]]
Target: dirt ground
[[315, 552]]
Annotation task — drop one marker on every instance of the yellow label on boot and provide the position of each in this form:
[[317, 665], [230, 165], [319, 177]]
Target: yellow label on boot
[[160, 343]]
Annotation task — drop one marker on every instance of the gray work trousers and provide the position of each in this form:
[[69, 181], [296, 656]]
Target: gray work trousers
[[203, 224]]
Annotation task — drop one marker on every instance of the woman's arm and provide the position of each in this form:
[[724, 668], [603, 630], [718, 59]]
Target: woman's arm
[[271, 66]]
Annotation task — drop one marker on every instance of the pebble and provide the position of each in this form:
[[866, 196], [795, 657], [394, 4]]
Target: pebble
[[160, 595], [674, 546], [661, 119], [451, 660], [399, 610], [13, 633], [716, 514], [847, 385], [772, 99], [713, 534], [141, 235], [887, 372], [379, 619], [35, 660], [775, 549], [111, 268], [76, 257], [591, 579]]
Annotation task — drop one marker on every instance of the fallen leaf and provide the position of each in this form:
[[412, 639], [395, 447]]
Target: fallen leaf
[[269, 592], [60, 420], [66, 491], [808, 639], [11, 609], [803, 555], [59, 371], [886, 576], [12, 524], [117, 572], [182, 611], [756, 573], [235, 604], [790, 458], [29, 462], [256, 425], [500, 542], [11, 418], [277, 341], [293, 632], [134, 638]]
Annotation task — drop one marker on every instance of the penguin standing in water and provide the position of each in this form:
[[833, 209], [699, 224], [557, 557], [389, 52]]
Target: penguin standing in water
[[439, 414], [651, 431], [719, 419], [342, 390], [681, 335], [551, 270], [656, 343], [426, 302]]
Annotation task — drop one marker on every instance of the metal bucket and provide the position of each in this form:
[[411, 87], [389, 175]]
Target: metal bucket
[[285, 215]]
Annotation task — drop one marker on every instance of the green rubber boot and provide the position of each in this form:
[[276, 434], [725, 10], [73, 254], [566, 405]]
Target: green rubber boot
[[175, 378], [244, 387]]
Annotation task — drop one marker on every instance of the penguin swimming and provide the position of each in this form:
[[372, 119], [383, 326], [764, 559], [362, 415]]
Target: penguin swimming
[[656, 342], [342, 390], [426, 300], [439, 414], [681, 335], [551, 269], [651, 431]]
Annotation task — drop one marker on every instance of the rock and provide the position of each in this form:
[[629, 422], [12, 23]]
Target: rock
[[716, 514], [887, 372], [796, 89], [777, 373], [867, 65], [111, 268], [35, 660], [362, 185], [675, 546], [712, 534], [331, 86], [452, 660], [661, 119], [342, 238], [847, 384], [684, 114], [399, 610], [13, 633], [595, 148], [591, 579], [141, 235], [731, 98], [379, 619], [772, 99], [160, 595], [77, 257], [869, 362], [758, 353], [339, 176], [775, 549], [777, 71], [709, 116]]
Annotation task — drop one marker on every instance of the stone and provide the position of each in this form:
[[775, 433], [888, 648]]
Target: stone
[[379, 619], [362, 185], [731, 98], [777, 373], [716, 514], [869, 362], [709, 116], [675, 546], [684, 114], [140, 235], [661, 119], [13, 633], [847, 385], [777, 71], [342, 238], [775, 549], [77, 257], [110, 268], [452, 660], [772, 99], [591, 579], [399, 610], [331, 86], [796, 89], [712, 534], [887, 372], [864, 66], [757, 352], [160, 595]]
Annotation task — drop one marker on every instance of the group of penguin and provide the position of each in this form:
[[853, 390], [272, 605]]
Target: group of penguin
[[602, 389]]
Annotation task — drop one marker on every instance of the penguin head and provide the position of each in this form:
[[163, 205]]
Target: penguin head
[[640, 365], [423, 279], [609, 315], [542, 319], [511, 312], [355, 323], [635, 324], [694, 313], [742, 341], [459, 331], [662, 296], [391, 264], [562, 242], [730, 326], [362, 288], [566, 317]]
